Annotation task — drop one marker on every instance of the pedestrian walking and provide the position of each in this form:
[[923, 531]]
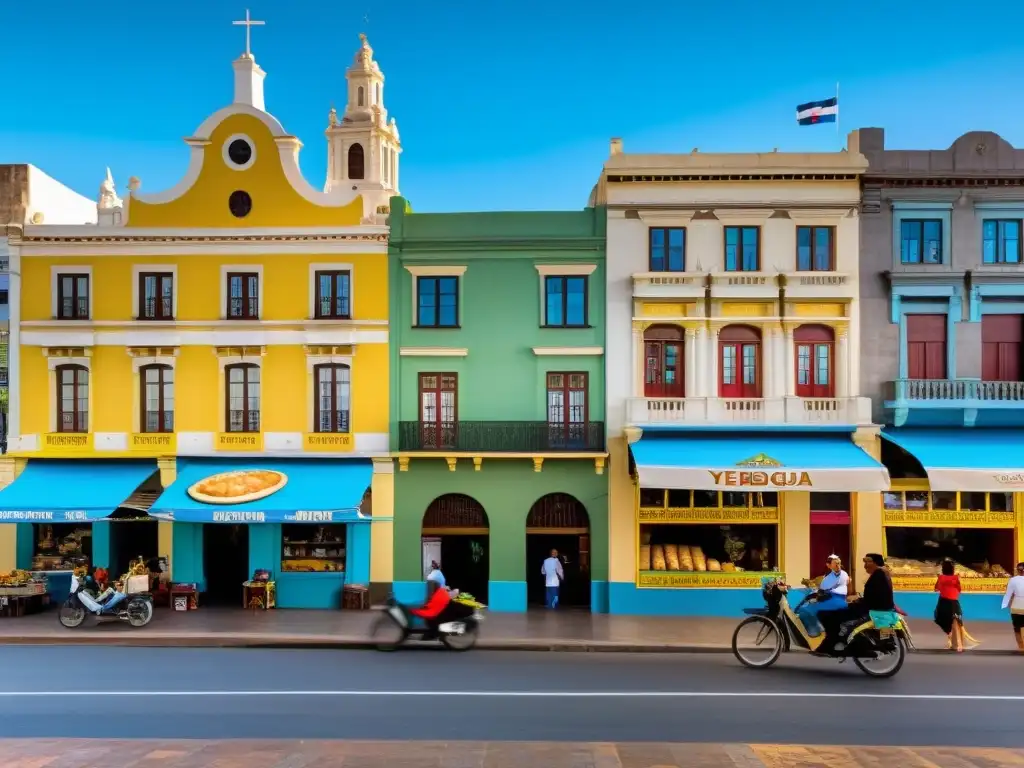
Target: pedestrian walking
[[948, 614], [553, 576], [1014, 600]]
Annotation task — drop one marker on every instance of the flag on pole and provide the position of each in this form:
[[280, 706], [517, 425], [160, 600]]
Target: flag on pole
[[814, 112]]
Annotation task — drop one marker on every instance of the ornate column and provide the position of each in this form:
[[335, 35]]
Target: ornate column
[[768, 372], [842, 372], [636, 375], [690, 363], [711, 361], [789, 357]]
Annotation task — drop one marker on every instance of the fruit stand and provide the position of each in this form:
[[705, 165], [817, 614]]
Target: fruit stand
[[21, 593]]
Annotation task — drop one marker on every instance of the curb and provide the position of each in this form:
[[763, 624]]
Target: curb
[[334, 643]]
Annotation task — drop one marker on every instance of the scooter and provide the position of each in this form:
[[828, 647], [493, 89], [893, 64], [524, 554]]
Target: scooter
[[878, 646], [397, 625], [136, 609]]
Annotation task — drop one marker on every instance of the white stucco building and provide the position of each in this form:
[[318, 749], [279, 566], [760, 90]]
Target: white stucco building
[[731, 342]]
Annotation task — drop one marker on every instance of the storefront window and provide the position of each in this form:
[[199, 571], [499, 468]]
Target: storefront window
[[313, 548], [59, 546], [977, 552], [975, 530], [697, 531]]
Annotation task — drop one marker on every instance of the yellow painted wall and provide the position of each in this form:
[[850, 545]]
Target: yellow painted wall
[[796, 535], [621, 514], [275, 201], [286, 285], [286, 290], [382, 533]]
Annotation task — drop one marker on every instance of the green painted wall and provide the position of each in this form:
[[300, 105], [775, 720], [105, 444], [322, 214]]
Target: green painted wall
[[506, 489], [501, 379]]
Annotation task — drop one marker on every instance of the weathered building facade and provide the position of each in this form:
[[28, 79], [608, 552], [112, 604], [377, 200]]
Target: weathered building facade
[[942, 305]]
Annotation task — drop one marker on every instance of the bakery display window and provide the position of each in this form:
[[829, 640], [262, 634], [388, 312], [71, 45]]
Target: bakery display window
[[313, 548], [976, 530], [60, 546], [697, 538]]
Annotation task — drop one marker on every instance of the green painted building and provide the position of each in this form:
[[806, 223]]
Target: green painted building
[[497, 402]]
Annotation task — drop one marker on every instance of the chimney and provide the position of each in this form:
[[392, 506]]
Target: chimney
[[615, 146]]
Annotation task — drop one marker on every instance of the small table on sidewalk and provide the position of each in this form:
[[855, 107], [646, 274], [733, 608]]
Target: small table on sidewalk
[[259, 595]]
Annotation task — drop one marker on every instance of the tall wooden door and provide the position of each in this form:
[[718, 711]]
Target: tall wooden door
[[739, 362], [815, 357], [926, 347], [663, 362], [1001, 342]]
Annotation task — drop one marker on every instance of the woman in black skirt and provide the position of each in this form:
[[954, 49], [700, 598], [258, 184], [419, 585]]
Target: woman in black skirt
[[948, 615]]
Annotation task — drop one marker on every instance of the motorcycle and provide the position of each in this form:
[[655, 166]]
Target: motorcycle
[[458, 631], [136, 609], [884, 639]]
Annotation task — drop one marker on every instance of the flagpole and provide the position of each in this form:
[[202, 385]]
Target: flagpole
[[838, 134]]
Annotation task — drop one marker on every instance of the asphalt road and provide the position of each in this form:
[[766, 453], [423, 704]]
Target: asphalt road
[[105, 692]]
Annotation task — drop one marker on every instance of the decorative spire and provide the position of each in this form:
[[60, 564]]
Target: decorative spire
[[108, 193]]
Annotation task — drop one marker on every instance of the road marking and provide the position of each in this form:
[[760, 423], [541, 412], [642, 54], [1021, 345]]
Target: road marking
[[934, 697]]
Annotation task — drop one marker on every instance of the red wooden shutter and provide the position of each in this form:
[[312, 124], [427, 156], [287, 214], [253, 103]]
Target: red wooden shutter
[[926, 346]]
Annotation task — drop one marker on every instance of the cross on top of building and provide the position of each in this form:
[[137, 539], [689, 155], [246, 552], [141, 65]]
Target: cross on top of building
[[248, 24]]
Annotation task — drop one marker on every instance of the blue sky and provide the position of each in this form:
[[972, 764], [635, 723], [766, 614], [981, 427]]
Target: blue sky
[[501, 105]]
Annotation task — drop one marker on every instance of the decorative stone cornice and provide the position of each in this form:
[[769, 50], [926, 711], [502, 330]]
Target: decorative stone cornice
[[189, 239]]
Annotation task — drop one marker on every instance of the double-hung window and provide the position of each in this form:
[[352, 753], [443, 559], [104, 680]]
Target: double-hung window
[[1000, 241], [437, 302], [742, 249], [565, 301], [921, 241]]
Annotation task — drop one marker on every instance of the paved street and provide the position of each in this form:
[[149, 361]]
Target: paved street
[[271, 754], [123, 693], [534, 630]]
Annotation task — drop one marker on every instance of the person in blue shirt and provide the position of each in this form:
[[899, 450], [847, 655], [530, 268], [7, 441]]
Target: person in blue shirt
[[831, 596]]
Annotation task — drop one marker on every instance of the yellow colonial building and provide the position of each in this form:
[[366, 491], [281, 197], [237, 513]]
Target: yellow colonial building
[[204, 375]]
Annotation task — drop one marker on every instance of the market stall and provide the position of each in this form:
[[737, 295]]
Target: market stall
[[59, 511], [709, 539], [292, 530]]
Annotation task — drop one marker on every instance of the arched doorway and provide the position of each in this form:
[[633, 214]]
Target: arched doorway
[[456, 534], [663, 361], [559, 521]]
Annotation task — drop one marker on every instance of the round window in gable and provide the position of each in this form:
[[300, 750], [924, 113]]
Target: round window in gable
[[239, 152], [240, 204]]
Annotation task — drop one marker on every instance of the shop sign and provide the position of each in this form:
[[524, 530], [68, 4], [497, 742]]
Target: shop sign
[[949, 518], [760, 480], [67, 442], [311, 517], [328, 442], [238, 441], [152, 442], [978, 584], [239, 517], [704, 580], [15, 516], [708, 515], [238, 487]]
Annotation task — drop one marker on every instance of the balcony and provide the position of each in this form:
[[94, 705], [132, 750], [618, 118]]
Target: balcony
[[669, 285], [531, 437], [707, 411], [820, 285], [955, 402]]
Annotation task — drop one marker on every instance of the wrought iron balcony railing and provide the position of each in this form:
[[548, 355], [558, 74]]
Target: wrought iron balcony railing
[[501, 436]]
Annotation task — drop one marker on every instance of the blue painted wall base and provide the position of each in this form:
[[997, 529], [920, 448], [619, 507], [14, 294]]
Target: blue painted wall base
[[309, 590], [921, 606], [626, 598], [503, 596], [506, 596], [410, 592], [599, 597]]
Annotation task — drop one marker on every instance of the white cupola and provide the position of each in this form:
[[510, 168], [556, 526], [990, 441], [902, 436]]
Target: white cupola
[[362, 146]]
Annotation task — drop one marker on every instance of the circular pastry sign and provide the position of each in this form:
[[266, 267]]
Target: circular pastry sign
[[238, 486]]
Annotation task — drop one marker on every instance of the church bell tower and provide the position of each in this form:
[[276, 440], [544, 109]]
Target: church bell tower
[[363, 146]]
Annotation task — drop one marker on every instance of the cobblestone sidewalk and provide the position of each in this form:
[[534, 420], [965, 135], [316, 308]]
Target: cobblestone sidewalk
[[323, 754]]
